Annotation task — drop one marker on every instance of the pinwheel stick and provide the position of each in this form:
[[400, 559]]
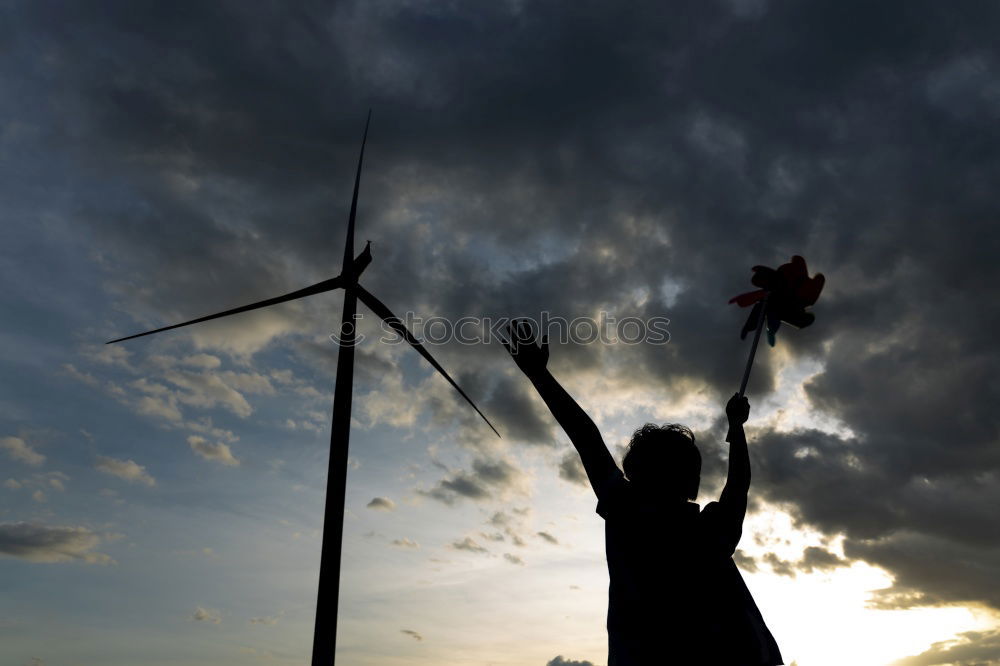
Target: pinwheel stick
[[761, 318]]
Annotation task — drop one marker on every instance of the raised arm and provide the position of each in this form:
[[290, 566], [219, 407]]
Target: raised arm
[[532, 358], [734, 495]]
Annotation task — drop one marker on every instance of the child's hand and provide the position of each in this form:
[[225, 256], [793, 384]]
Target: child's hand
[[738, 409], [520, 342]]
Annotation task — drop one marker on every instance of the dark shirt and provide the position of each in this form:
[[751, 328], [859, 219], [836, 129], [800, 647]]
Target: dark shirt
[[676, 596]]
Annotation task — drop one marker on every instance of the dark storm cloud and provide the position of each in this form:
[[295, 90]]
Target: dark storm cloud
[[571, 469], [51, 543], [487, 478], [450, 489], [814, 559], [778, 565], [930, 569], [570, 158], [512, 405], [745, 562], [918, 526]]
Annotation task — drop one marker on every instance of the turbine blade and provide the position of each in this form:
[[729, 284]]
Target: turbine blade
[[349, 244], [379, 308], [318, 288]]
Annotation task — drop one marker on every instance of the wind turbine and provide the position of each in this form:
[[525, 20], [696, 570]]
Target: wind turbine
[[325, 633]]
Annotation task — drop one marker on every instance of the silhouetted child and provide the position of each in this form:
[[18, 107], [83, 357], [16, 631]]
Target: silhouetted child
[[676, 596]]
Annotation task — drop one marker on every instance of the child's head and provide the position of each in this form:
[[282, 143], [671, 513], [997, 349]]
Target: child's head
[[664, 459]]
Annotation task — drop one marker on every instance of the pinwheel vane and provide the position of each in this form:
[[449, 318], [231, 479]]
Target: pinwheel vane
[[783, 296], [325, 634]]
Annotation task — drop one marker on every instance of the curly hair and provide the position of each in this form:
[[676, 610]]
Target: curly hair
[[664, 455]]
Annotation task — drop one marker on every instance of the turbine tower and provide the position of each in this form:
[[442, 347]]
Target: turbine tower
[[325, 632]]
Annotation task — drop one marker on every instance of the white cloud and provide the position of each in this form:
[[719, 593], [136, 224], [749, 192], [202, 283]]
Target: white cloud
[[513, 559], [108, 355], [283, 376], [42, 543], [267, 619], [162, 406], [248, 382], [128, 470], [207, 391], [39, 483], [292, 424], [469, 544], [405, 543], [204, 426], [202, 389], [19, 450], [381, 504], [247, 334], [203, 361], [218, 451], [206, 615], [512, 525], [171, 387], [392, 403], [83, 377]]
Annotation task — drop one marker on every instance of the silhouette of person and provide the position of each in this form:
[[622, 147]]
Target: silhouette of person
[[675, 596]]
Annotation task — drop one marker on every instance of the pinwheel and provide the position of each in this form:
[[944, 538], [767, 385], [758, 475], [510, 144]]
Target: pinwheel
[[783, 296], [325, 633]]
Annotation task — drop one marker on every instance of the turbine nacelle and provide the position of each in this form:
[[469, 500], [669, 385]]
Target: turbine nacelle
[[360, 263]]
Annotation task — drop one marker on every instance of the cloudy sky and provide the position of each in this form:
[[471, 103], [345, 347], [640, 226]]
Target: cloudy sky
[[162, 499]]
